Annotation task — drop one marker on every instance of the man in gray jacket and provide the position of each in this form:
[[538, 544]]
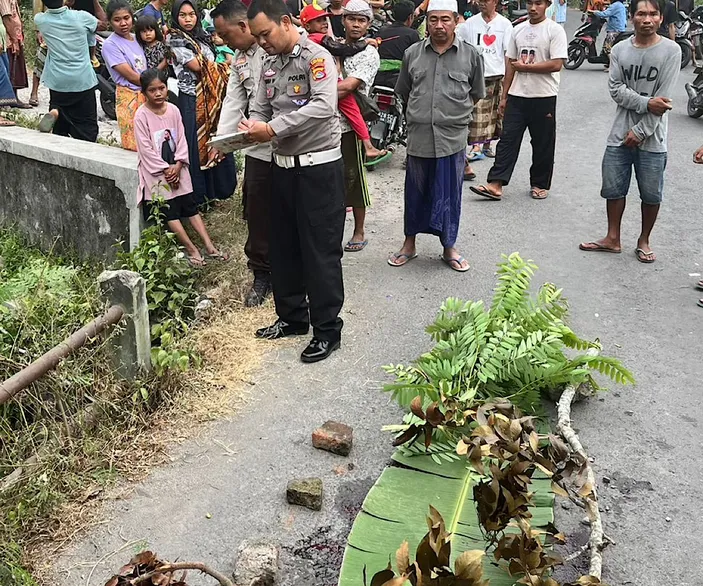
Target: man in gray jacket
[[643, 71], [440, 80]]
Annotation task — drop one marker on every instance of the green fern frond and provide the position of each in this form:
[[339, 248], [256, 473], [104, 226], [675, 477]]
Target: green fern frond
[[512, 291]]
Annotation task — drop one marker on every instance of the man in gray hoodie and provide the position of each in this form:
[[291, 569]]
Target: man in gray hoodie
[[643, 71]]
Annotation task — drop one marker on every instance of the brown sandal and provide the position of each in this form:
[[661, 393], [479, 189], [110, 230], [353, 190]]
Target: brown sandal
[[538, 193]]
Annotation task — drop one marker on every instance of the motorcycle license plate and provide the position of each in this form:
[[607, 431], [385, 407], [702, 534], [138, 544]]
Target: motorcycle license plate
[[387, 117]]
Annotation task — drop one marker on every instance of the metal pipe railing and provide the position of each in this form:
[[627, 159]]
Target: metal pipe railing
[[48, 361]]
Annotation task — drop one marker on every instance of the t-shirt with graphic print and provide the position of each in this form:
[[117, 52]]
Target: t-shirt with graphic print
[[491, 40], [535, 43], [117, 50], [363, 66]]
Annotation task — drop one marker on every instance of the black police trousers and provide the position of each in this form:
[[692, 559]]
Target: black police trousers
[[307, 226]]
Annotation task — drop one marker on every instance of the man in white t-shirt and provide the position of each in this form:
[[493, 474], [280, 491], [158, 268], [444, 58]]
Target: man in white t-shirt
[[490, 33], [536, 53]]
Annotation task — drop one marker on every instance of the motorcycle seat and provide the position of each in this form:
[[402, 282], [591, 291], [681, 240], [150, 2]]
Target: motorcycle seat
[[518, 13]]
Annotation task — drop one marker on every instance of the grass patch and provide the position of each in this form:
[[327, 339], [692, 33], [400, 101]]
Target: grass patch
[[79, 434]]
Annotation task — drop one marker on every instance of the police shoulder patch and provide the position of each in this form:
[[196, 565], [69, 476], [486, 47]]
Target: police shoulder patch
[[317, 68]]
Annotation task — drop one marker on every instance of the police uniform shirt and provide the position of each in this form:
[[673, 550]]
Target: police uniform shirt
[[245, 73], [297, 96]]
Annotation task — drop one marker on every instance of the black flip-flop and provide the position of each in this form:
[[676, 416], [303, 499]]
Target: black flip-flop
[[469, 176], [483, 191], [700, 303], [597, 248]]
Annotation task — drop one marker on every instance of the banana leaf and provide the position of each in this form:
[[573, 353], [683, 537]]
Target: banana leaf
[[397, 505]]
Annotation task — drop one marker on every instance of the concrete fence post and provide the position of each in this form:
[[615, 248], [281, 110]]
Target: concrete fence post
[[132, 345]]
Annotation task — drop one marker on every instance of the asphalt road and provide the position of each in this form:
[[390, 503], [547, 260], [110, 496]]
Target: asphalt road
[[646, 440]]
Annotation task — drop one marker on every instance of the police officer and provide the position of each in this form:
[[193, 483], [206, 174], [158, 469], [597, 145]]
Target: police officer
[[230, 20], [296, 109]]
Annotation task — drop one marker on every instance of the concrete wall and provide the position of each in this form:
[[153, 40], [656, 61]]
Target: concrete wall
[[68, 193]]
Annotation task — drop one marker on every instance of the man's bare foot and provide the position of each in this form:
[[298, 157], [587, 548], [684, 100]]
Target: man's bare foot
[[604, 245], [371, 151]]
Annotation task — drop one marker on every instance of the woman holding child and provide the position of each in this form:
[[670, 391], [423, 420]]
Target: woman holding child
[[126, 61], [201, 88]]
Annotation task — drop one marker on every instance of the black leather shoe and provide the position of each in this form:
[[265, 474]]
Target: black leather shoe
[[259, 291], [281, 329], [318, 350]]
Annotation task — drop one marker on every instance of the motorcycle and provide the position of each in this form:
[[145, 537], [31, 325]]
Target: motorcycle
[[683, 38], [695, 94], [696, 32], [583, 46], [512, 10], [106, 84], [389, 130]]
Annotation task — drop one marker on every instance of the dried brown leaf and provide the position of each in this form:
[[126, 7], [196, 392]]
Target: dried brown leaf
[[402, 558]]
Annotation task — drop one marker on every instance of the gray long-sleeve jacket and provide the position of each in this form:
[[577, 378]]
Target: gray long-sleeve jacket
[[637, 75], [439, 91]]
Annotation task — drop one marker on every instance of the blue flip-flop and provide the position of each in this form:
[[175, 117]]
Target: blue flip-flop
[[475, 156], [355, 246]]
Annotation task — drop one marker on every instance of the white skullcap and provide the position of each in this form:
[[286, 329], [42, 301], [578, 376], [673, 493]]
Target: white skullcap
[[359, 7], [449, 5]]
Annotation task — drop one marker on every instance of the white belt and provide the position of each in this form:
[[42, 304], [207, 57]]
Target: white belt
[[308, 159]]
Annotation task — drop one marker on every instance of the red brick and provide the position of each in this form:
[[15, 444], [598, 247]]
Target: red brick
[[333, 437]]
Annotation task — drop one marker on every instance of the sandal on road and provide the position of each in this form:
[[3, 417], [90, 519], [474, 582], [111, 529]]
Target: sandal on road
[[456, 264], [34, 102], [483, 191], [645, 257], [6, 122], [355, 246], [489, 152], [398, 259], [469, 176], [700, 303], [699, 284], [475, 156], [596, 247], [538, 193]]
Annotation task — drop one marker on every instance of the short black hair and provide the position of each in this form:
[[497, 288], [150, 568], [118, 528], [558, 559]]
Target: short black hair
[[660, 4], [273, 9], [115, 5], [147, 22], [229, 10], [402, 10], [150, 75], [53, 3]]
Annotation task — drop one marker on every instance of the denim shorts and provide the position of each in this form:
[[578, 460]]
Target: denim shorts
[[618, 162]]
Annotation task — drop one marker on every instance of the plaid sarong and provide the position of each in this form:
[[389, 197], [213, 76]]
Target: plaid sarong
[[486, 125]]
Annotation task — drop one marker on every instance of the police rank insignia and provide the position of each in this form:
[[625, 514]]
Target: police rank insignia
[[317, 68], [296, 89]]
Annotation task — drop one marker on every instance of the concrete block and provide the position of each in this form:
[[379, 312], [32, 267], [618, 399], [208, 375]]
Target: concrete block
[[132, 344], [306, 492], [67, 194], [257, 564], [333, 437]]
